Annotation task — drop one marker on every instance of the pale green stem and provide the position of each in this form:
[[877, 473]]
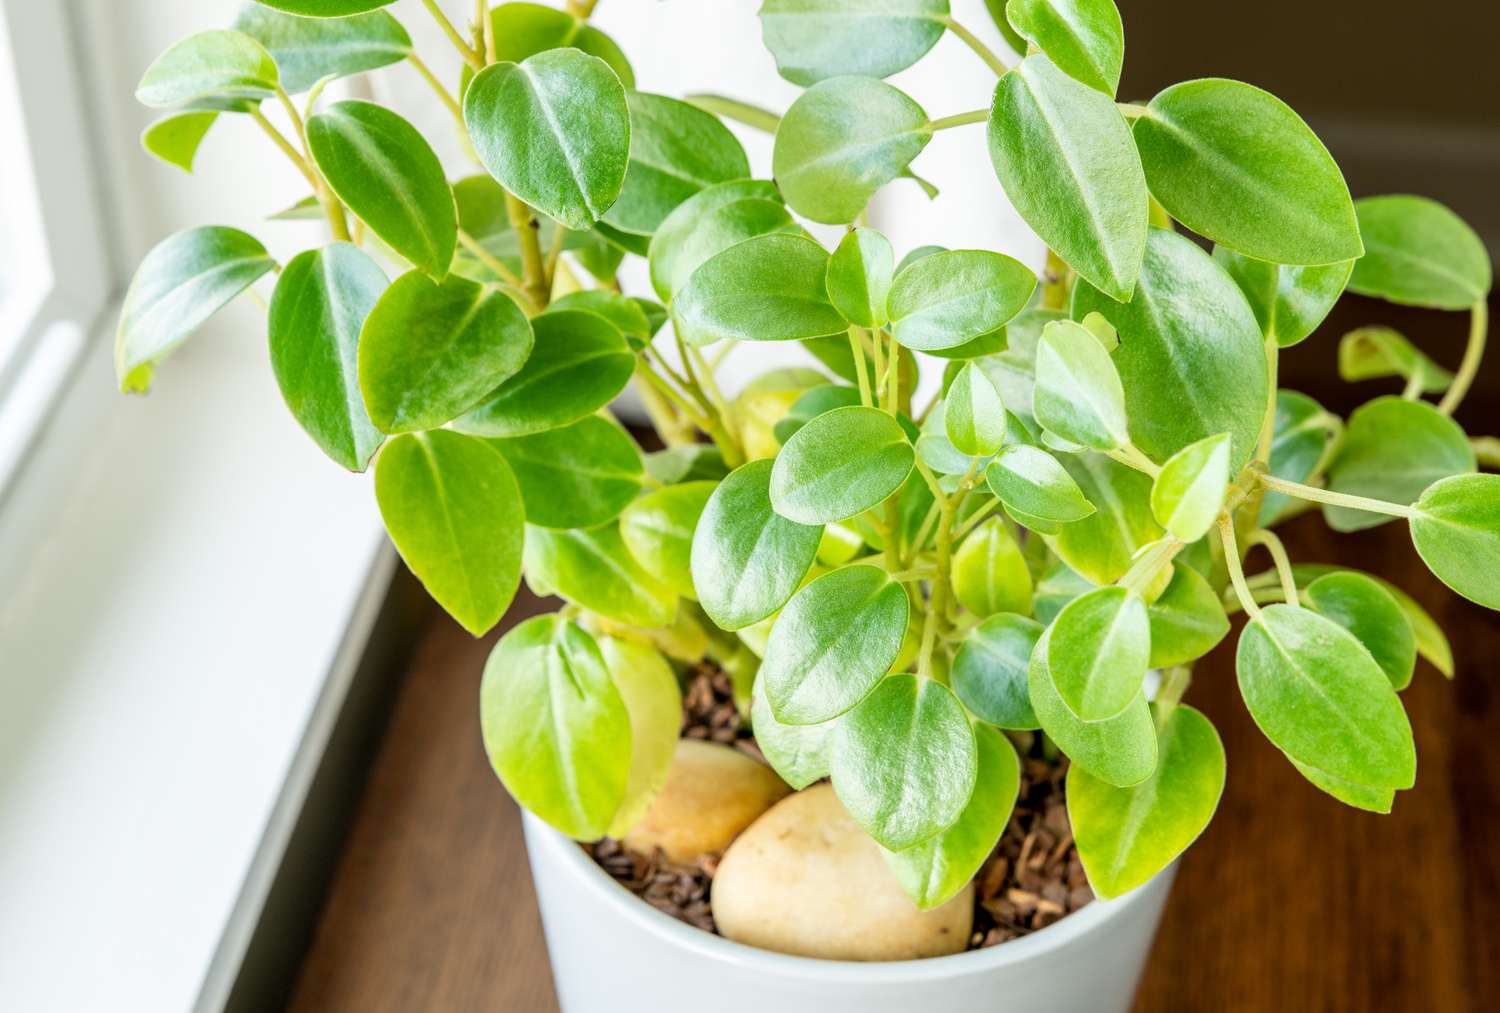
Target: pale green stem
[[471, 57], [1317, 495], [1129, 456], [1486, 451], [977, 518], [488, 259], [534, 270], [1131, 110], [958, 120], [1280, 558], [1054, 282], [1174, 683], [1479, 319], [859, 368], [984, 52], [1413, 389], [1145, 569], [449, 102], [1236, 567]]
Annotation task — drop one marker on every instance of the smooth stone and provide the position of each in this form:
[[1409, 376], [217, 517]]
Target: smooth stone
[[712, 792], [804, 879]]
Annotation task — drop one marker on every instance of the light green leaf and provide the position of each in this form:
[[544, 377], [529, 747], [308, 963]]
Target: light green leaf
[[859, 277], [1367, 610], [384, 170], [800, 754], [817, 39], [973, 416], [625, 313], [954, 296], [218, 65], [989, 571], [840, 464], [1102, 545], [1097, 654], [658, 529], [1456, 530], [1189, 490], [577, 476], [184, 280], [1127, 835], [653, 702], [1187, 619], [321, 301], [1120, 750], [555, 727], [525, 29], [747, 559], [1360, 796], [689, 462], [933, 872], [452, 507], [1303, 434], [989, 671], [1064, 155], [1289, 302], [1316, 693], [1419, 253], [554, 129], [592, 567], [1032, 481], [1392, 450], [1083, 37], [1058, 585], [307, 50], [832, 643], [769, 288], [578, 363], [175, 137], [1078, 392], [709, 222], [1370, 353], [1191, 354], [905, 761], [812, 403], [1236, 164], [325, 8]]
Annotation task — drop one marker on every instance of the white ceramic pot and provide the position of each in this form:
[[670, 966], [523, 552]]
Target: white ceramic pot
[[613, 953]]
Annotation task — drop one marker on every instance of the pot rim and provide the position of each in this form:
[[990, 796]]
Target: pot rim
[[648, 919]]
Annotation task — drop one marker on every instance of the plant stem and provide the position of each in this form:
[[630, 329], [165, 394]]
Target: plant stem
[[1145, 569], [664, 418], [554, 253], [581, 8], [859, 368], [286, 146], [1308, 492], [958, 120], [1486, 450], [976, 518], [534, 270], [484, 26], [1174, 683], [1131, 110], [1054, 282], [937, 597], [877, 354], [1131, 457], [1479, 320], [1236, 568], [488, 259], [1268, 422], [437, 86], [471, 57], [1280, 558], [972, 41]]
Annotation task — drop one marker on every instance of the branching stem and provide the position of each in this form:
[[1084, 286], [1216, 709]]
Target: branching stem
[[984, 52], [1479, 320], [1236, 567], [471, 57], [1316, 495], [1280, 558]]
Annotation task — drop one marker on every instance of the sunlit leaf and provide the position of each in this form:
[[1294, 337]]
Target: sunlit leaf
[[840, 464], [954, 296], [817, 39]]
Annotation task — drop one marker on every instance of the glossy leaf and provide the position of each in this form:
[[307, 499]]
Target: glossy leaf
[[658, 529], [832, 643], [1188, 493], [383, 169], [1316, 693], [817, 39], [175, 138], [321, 301], [578, 363], [1032, 481], [1302, 436], [973, 415], [1065, 157], [1120, 750], [577, 476], [218, 65], [1456, 530], [306, 50], [747, 559], [905, 761], [325, 8], [1127, 835], [990, 573], [1098, 652], [1361, 796], [769, 288], [1367, 610], [653, 702], [1236, 164], [1289, 302], [812, 403], [525, 29], [1078, 392], [800, 754], [840, 464], [554, 129], [184, 280], [954, 296], [859, 277], [1187, 619], [1102, 545], [1083, 37], [452, 507], [625, 313], [1419, 253], [989, 671], [709, 222], [1370, 353], [555, 726], [1392, 450], [592, 566]]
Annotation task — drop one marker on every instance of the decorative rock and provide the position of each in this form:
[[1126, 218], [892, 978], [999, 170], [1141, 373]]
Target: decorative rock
[[712, 792], [805, 879]]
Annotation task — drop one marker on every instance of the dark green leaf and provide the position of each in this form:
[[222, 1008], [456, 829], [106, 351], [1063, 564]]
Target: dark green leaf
[[1392, 450], [578, 476]]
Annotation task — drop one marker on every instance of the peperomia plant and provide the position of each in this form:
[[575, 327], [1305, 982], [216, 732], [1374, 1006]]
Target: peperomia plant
[[898, 590]]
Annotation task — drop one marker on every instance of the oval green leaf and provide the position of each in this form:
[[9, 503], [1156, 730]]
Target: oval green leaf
[[306, 50], [1419, 253], [525, 29], [1392, 450], [1102, 545], [840, 464], [658, 529], [1456, 530], [989, 671], [1188, 492], [1371, 353], [709, 222], [577, 476], [1289, 302], [990, 573], [973, 416], [1083, 37], [216, 65], [592, 567], [800, 754], [1098, 652], [768, 288], [1078, 393], [1187, 619], [859, 277], [951, 297], [817, 39], [1368, 611], [1120, 750], [653, 701], [175, 138], [1030, 480]]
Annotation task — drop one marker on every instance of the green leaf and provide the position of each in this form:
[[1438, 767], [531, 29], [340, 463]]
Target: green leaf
[[933, 872], [625, 313], [592, 567], [709, 222], [952, 297], [1187, 619], [554, 129], [1236, 164], [1419, 253], [905, 761], [1058, 585], [653, 700], [1361, 796], [1078, 392], [1098, 651], [1083, 37], [184, 280], [1370, 353], [1316, 693], [452, 507], [1189, 490], [175, 137], [1456, 530], [1191, 354], [1103, 544], [973, 415], [989, 671], [577, 476], [321, 301], [840, 464], [219, 65], [817, 39], [555, 726], [325, 8], [1289, 302], [989, 572], [1064, 155], [841, 141], [800, 754], [1392, 450], [812, 403], [578, 363], [859, 277], [1303, 434], [306, 50], [1127, 835], [1120, 750], [832, 643], [658, 529], [690, 462], [769, 288], [384, 170], [747, 559], [525, 29], [1032, 481], [1367, 610]]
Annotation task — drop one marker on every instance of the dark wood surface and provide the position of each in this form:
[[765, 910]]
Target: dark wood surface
[[1290, 901]]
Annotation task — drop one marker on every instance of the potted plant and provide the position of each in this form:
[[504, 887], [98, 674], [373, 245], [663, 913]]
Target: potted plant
[[899, 595]]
